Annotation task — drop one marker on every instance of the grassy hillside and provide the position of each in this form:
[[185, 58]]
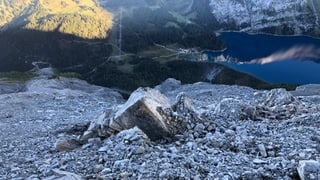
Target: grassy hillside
[[15, 76], [80, 18], [10, 9]]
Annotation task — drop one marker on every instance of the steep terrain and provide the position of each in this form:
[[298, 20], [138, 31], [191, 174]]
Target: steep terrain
[[271, 16], [285, 17], [186, 24], [231, 132], [63, 34], [80, 18], [12, 9]]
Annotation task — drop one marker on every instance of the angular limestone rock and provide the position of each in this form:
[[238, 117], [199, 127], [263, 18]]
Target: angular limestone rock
[[100, 126], [66, 145], [141, 111], [145, 109], [183, 103]]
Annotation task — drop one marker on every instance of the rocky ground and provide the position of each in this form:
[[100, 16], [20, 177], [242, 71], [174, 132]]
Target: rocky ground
[[225, 132]]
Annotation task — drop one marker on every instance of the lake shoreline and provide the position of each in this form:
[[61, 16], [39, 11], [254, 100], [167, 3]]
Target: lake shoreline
[[289, 59], [218, 33]]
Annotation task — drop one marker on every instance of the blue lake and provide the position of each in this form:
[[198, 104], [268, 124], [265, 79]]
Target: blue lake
[[277, 59]]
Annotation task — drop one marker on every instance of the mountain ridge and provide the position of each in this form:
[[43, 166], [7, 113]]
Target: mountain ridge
[[285, 17]]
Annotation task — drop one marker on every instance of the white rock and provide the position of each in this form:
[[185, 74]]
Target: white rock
[[262, 150], [259, 161]]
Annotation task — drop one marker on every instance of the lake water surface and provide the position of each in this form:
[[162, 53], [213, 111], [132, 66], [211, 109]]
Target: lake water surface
[[278, 59]]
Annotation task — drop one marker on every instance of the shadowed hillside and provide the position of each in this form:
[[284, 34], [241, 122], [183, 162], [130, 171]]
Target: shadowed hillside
[[22, 47]]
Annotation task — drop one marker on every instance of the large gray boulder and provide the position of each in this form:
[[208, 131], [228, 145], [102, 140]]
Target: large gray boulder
[[141, 110], [147, 109]]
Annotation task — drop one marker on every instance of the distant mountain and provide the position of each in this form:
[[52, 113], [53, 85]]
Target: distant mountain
[[273, 16], [80, 18]]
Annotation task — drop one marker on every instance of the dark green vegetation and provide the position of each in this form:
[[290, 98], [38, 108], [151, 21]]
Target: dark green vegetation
[[66, 52], [148, 72], [230, 76], [146, 26], [66, 75]]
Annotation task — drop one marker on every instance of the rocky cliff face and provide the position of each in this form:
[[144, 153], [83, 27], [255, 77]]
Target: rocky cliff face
[[288, 16], [228, 132]]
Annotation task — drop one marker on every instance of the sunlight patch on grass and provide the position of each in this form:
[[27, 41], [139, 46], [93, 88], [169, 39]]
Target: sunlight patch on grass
[[15, 77]]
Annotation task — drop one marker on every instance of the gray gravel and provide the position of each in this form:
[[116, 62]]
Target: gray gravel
[[225, 142], [32, 121]]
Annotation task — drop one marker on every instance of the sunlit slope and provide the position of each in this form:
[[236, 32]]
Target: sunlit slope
[[83, 18], [9, 9]]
